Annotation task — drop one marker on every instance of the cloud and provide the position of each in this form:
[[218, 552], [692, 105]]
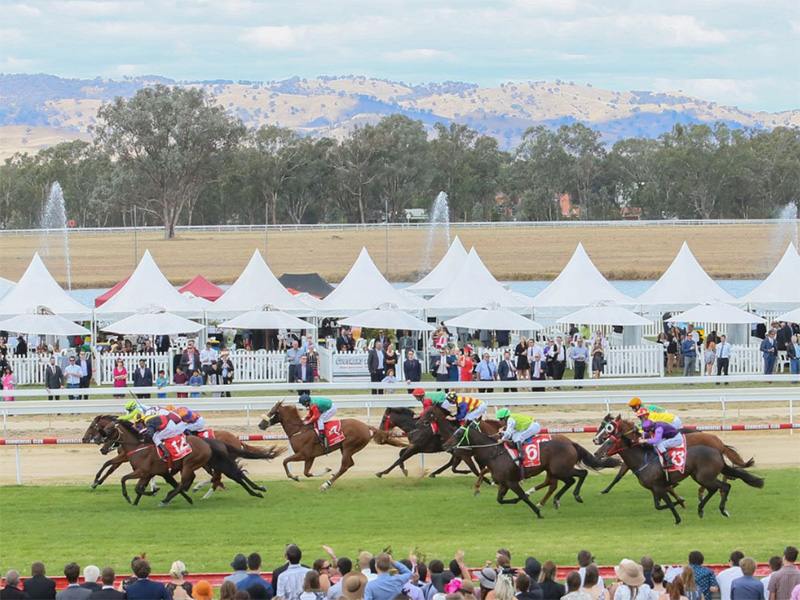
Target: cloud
[[15, 64], [418, 54], [130, 69], [795, 27], [272, 38], [727, 91], [20, 10]]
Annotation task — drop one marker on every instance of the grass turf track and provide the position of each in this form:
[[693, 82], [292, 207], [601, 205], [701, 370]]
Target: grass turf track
[[59, 524]]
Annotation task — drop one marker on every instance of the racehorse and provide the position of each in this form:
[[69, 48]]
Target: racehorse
[[558, 458], [146, 463], [304, 441], [422, 440], [702, 463], [693, 438]]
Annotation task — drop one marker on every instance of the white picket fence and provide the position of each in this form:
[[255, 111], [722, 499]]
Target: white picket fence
[[155, 362], [259, 366]]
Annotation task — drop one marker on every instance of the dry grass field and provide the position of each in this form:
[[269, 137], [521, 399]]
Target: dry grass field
[[641, 252]]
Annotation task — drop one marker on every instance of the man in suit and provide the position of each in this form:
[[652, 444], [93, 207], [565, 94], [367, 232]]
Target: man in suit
[[22, 346], [376, 362], [90, 576], [144, 589], [39, 586], [107, 592], [344, 343], [783, 336], [769, 351], [412, 368], [302, 373], [793, 352], [11, 591], [506, 371], [142, 377], [723, 356], [190, 358], [559, 356], [53, 378], [85, 363], [440, 366], [163, 343], [382, 338], [73, 592]]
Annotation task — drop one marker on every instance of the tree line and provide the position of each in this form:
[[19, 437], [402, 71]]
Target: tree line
[[176, 156]]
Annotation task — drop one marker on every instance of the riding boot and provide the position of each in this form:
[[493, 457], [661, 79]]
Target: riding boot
[[164, 452], [521, 460], [323, 440]]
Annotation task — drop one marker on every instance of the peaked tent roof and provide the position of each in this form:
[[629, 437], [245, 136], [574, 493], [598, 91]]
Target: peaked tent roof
[[310, 283], [363, 288], [147, 288], [684, 284], [37, 286], [443, 273], [580, 284], [202, 288], [254, 288], [108, 294], [716, 312], [6, 285], [777, 289], [473, 287]]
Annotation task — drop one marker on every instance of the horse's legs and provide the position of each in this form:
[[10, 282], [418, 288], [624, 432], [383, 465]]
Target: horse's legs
[[451, 464], [347, 462], [405, 453], [581, 475], [170, 479], [661, 494], [454, 462], [253, 484], [310, 463], [569, 481], [112, 465], [479, 481], [187, 477], [724, 489], [502, 490], [515, 487], [289, 459], [132, 475], [620, 474]]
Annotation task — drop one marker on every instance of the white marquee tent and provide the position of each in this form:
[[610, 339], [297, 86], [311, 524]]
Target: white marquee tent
[[37, 286], [256, 286], [267, 317], [6, 285], [579, 284], [363, 288], [443, 273], [474, 287], [793, 316], [684, 284], [781, 289]]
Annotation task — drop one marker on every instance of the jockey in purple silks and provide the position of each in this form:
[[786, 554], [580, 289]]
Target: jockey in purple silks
[[663, 436]]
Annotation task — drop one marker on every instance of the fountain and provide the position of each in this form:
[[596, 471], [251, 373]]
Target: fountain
[[440, 219], [787, 227], [54, 217]]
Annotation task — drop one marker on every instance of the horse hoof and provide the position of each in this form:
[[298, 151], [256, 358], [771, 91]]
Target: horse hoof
[[295, 478], [725, 513], [129, 500], [155, 489], [476, 493], [579, 499], [93, 486], [324, 486], [379, 475], [432, 475], [405, 472], [540, 516], [700, 513], [556, 504], [161, 503], [258, 495]]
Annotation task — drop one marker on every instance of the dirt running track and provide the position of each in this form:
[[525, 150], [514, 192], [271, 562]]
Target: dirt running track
[[77, 464]]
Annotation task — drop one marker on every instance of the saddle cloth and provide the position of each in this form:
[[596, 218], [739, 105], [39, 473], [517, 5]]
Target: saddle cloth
[[177, 447], [530, 450], [206, 434], [333, 432], [678, 456]]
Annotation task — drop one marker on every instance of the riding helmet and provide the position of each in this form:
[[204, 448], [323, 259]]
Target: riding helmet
[[503, 413]]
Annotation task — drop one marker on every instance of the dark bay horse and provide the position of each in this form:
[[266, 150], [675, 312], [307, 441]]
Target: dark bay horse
[[703, 464], [305, 445], [693, 438]]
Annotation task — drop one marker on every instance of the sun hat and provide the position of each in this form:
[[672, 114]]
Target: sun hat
[[629, 573], [487, 578], [353, 585], [239, 563], [203, 590]]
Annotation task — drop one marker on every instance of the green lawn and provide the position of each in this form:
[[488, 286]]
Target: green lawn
[[61, 524]]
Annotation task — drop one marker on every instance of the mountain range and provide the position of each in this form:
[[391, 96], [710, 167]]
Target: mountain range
[[37, 111]]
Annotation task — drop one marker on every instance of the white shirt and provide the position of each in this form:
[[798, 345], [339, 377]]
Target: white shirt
[[724, 350], [290, 583], [725, 578], [624, 592], [765, 583], [208, 356]]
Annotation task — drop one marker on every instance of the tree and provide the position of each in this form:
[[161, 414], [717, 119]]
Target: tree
[[356, 161], [172, 142]]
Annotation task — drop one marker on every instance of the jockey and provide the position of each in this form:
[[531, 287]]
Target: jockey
[[468, 409], [320, 411], [134, 411], [663, 436], [661, 416], [162, 424], [518, 428], [193, 422], [428, 399], [636, 404]]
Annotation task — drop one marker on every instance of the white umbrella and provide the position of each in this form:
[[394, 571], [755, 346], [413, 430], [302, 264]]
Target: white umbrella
[[717, 312], [267, 317], [605, 314], [494, 316], [154, 321], [43, 322], [793, 316], [309, 299], [389, 316]]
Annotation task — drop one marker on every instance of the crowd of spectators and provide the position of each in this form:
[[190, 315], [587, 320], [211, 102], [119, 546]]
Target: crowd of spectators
[[382, 577]]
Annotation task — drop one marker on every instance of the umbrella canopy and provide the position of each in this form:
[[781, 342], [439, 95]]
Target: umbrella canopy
[[389, 316], [494, 316], [717, 312], [43, 322], [268, 317], [154, 322], [605, 314], [793, 316]]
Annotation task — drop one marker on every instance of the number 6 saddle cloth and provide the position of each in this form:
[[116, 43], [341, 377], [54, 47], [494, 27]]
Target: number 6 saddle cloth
[[530, 450]]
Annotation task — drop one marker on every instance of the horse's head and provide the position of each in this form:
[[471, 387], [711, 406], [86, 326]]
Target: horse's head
[[386, 420], [605, 428], [94, 433], [459, 438], [272, 417], [622, 435]]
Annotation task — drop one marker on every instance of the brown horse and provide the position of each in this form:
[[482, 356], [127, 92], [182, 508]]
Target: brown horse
[[703, 464], [305, 444]]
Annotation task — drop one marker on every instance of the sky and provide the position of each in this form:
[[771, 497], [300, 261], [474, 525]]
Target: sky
[[738, 52]]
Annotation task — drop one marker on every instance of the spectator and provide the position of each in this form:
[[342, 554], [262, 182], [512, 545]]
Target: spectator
[[675, 590], [72, 376], [533, 568], [144, 588], [39, 586], [689, 352], [290, 584], [703, 577], [630, 581], [574, 591], [440, 366], [354, 585], [385, 586], [227, 590], [725, 577], [486, 371], [74, 591], [657, 581], [85, 363], [323, 568], [591, 585], [90, 575], [775, 563], [142, 377], [120, 376], [178, 587], [190, 358], [746, 587], [504, 588], [107, 591], [523, 587], [8, 383], [793, 354], [180, 378], [11, 590], [226, 368], [253, 577], [344, 565], [439, 577], [376, 363], [161, 383], [196, 381], [390, 379], [723, 356], [585, 559], [551, 589], [241, 595], [311, 587], [487, 578], [786, 578], [208, 357], [579, 355], [239, 566], [507, 371], [598, 359], [129, 581], [647, 569], [53, 378], [689, 584], [203, 590], [769, 350]]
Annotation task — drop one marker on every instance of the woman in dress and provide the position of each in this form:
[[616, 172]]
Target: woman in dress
[[710, 355], [598, 358], [120, 377], [672, 349], [591, 584], [178, 586], [523, 365], [390, 358], [9, 381], [466, 365]]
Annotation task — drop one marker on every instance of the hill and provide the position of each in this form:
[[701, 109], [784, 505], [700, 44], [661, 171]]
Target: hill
[[38, 108]]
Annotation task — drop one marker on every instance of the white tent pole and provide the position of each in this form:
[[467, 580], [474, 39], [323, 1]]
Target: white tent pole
[[95, 355]]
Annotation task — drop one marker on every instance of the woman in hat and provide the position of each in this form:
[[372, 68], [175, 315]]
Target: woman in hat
[[203, 590], [353, 585], [630, 582], [487, 578]]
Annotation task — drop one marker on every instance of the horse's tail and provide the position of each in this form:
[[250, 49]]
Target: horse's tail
[[732, 472], [594, 463], [248, 451], [733, 455], [223, 461], [386, 438]]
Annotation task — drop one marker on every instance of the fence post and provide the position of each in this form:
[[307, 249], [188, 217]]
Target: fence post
[[19, 471], [791, 415], [724, 417], [247, 409], [369, 406]]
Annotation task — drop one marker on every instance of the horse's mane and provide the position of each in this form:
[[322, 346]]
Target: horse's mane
[[128, 426], [402, 410]]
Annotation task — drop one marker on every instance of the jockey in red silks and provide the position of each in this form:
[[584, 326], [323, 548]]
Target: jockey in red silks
[[193, 421]]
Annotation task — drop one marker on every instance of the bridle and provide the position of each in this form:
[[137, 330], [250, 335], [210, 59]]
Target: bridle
[[620, 439], [463, 431]]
